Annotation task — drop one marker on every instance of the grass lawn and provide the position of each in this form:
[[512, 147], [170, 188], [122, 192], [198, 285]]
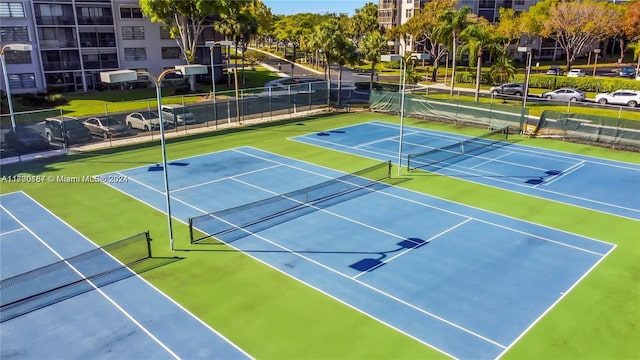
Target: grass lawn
[[271, 315], [91, 103]]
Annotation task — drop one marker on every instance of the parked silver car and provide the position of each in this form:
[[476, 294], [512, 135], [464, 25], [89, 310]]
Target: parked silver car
[[564, 94], [177, 115], [106, 127], [508, 89]]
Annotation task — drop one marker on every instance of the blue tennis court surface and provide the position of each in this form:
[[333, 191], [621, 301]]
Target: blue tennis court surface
[[127, 319], [464, 281], [598, 184]]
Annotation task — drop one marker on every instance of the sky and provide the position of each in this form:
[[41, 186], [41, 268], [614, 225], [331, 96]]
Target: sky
[[290, 7]]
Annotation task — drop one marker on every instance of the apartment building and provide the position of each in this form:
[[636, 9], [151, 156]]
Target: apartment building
[[395, 12], [74, 40]]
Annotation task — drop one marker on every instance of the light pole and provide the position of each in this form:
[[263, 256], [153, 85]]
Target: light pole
[[526, 49], [595, 64], [403, 76], [120, 76], [211, 45], [7, 88]]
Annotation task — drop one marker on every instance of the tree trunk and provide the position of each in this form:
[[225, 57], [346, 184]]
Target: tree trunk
[[621, 42], [339, 84], [453, 63], [478, 75], [373, 71]]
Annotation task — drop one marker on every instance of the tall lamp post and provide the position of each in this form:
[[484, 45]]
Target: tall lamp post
[[7, 88], [396, 57], [595, 64], [211, 45], [120, 76], [526, 49]]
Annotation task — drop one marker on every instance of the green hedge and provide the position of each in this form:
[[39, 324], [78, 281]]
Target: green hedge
[[597, 84]]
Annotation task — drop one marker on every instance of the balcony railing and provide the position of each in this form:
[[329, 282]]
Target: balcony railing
[[55, 20], [58, 43], [95, 20], [61, 65], [104, 64]]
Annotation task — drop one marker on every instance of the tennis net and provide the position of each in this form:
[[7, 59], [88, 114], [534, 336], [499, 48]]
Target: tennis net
[[72, 276], [234, 223], [452, 153]]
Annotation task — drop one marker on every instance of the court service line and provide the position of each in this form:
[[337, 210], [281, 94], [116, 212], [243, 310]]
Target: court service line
[[12, 231], [544, 313], [417, 245], [491, 160], [490, 223], [380, 140], [97, 288], [225, 178], [331, 212], [459, 170], [564, 173]]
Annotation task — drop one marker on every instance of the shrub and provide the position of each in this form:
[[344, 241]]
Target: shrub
[[182, 90], [40, 100], [255, 55]]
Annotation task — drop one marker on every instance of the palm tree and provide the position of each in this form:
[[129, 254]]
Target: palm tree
[[325, 38], [502, 70], [372, 46], [453, 23], [476, 39]]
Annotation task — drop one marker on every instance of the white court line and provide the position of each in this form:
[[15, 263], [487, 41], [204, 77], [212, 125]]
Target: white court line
[[546, 155], [200, 321], [223, 179], [555, 302], [293, 252], [12, 231], [417, 245], [564, 173], [95, 287]]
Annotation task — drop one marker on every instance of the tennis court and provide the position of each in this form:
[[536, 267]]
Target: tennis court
[[593, 183], [464, 281], [118, 315]]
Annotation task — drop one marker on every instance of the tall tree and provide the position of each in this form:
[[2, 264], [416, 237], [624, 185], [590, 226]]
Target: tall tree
[[371, 47], [364, 22], [186, 21], [239, 25], [509, 28], [453, 23], [476, 39], [576, 26], [426, 29]]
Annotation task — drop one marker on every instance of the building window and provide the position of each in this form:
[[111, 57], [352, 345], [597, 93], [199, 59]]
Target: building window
[[133, 33], [171, 53], [518, 2], [94, 16], [22, 81], [165, 33], [130, 13], [15, 33], [18, 57], [135, 54], [408, 13], [14, 10]]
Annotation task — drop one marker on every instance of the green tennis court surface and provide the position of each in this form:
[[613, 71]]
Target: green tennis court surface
[[271, 315]]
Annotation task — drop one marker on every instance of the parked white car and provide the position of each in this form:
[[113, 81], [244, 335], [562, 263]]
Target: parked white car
[[147, 121], [575, 73], [620, 97]]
